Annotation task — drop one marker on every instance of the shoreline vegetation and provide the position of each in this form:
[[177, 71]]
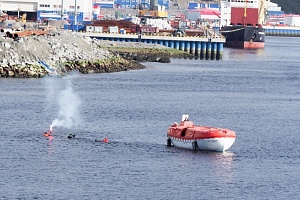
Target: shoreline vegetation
[[61, 52]]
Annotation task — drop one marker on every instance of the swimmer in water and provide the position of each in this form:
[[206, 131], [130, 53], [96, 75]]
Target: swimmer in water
[[105, 140], [71, 136], [46, 134]]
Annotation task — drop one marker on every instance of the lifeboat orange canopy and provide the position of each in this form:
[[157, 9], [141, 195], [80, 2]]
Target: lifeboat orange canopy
[[188, 135]]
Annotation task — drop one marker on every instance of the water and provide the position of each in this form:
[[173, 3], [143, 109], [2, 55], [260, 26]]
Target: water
[[253, 92]]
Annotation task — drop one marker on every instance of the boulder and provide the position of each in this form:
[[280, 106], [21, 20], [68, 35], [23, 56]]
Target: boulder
[[31, 73], [11, 73], [164, 60]]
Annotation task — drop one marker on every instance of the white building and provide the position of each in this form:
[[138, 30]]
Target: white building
[[291, 20], [17, 6], [273, 7], [45, 9]]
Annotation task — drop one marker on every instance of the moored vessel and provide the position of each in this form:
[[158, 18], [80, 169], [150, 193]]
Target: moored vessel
[[241, 24], [244, 37], [197, 137]]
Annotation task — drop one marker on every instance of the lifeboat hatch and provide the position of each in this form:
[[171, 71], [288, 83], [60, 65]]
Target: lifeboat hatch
[[185, 117], [183, 132]]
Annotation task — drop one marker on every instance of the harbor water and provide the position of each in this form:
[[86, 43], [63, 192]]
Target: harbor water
[[256, 93]]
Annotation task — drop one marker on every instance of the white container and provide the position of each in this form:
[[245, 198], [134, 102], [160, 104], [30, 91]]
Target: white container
[[292, 20], [113, 29], [89, 29], [98, 29]]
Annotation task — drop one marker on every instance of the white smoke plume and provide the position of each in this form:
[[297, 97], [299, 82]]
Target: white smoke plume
[[69, 104]]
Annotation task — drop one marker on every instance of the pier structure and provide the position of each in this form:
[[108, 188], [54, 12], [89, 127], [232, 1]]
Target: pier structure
[[289, 31], [200, 47]]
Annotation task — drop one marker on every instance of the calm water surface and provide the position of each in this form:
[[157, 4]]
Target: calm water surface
[[253, 92]]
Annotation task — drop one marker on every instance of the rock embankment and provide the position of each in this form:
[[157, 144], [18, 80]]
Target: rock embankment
[[62, 51], [23, 57]]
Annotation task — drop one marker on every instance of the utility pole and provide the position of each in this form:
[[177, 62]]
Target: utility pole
[[75, 10], [18, 11], [62, 9]]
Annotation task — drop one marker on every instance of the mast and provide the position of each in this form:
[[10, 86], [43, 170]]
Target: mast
[[245, 12]]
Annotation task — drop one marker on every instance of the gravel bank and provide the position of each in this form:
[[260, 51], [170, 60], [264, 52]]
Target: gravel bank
[[62, 51]]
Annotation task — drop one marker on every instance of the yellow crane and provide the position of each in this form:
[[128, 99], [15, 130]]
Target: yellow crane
[[23, 18], [263, 7]]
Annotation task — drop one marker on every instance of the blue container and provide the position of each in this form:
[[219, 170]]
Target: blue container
[[122, 31]]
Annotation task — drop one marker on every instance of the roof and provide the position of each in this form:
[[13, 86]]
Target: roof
[[206, 11]]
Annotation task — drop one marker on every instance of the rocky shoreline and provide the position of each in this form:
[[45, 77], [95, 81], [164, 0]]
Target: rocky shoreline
[[61, 52]]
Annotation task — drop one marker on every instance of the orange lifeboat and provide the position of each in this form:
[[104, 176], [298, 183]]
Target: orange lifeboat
[[189, 136]]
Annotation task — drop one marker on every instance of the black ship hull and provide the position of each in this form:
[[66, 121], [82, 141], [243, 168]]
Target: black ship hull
[[244, 37]]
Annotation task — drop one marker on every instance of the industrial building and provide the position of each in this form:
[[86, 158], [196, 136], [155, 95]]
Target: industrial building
[[86, 10], [38, 10], [80, 11]]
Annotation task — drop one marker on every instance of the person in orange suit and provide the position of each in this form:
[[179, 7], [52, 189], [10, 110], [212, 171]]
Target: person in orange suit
[[105, 140]]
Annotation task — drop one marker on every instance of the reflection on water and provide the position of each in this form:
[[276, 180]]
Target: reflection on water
[[222, 163], [49, 144], [241, 55]]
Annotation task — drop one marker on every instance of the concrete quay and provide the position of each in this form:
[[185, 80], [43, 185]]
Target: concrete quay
[[208, 48]]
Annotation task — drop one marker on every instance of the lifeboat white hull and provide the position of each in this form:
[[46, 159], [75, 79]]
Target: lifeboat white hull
[[211, 144]]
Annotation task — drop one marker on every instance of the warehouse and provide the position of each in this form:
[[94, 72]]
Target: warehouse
[[38, 10]]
